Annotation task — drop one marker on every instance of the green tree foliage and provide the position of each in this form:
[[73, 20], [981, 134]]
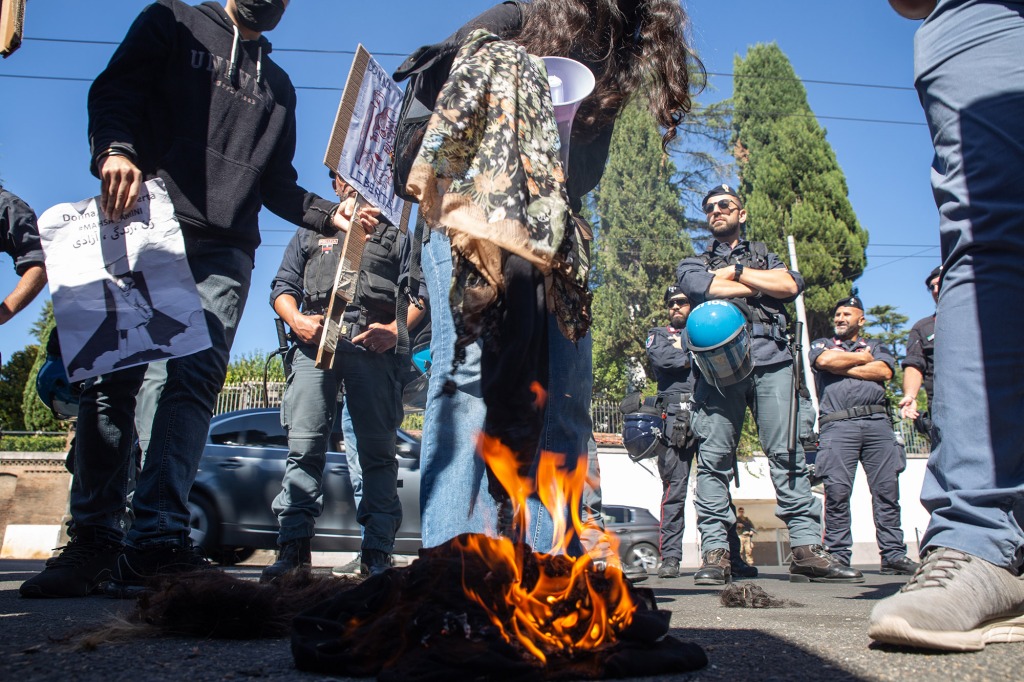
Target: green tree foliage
[[640, 238], [792, 182], [13, 377], [887, 325], [37, 416], [249, 367]]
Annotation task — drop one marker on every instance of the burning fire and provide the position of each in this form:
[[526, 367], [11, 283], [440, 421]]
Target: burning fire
[[569, 604]]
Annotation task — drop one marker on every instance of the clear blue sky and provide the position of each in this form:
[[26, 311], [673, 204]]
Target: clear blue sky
[[44, 154]]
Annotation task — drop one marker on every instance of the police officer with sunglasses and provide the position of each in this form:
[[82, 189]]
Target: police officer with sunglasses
[[745, 271]]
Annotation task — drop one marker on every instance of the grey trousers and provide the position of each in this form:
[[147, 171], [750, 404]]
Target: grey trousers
[[717, 423]]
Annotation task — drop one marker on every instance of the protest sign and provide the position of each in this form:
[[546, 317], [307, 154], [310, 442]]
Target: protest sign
[[123, 292], [363, 137]]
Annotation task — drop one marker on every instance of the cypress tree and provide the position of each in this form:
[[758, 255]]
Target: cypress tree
[[13, 377], [641, 236], [37, 416], [792, 182]]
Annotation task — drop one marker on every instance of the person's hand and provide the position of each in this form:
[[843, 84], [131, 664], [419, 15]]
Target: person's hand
[[908, 407], [120, 180], [378, 338], [307, 328], [365, 218]]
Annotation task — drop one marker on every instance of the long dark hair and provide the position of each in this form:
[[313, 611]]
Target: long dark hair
[[634, 46]]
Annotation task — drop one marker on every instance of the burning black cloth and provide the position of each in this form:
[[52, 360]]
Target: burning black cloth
[[417, 624]]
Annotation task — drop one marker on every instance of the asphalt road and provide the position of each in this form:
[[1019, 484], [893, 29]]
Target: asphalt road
[[822, 640]]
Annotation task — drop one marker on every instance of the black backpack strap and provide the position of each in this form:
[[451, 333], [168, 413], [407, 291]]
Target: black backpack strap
[[760, 251]]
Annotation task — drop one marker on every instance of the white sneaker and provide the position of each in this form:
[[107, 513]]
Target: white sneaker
[[954, 602]]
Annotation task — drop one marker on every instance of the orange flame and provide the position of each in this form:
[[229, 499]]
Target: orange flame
[[570, 605], [540, 395]]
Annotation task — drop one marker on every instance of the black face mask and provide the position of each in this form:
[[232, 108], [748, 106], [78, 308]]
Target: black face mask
[[259, 15]]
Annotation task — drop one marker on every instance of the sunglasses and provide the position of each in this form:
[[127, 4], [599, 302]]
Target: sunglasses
[[725, 205], [678, 304]]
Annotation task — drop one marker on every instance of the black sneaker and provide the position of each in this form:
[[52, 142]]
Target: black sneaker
[[375, 562], [716, 569], [137, 568], [669, 568], [902, 566], [814, 564], [79, 570]]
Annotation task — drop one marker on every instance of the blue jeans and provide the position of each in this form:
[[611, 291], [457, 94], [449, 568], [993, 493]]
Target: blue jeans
[[454, 478], [308, 410], [717, 424], [970, 76], [453, 487], [355, 472], [180, 420]]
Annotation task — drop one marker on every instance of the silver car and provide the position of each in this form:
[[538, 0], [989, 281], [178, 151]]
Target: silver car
[[240, 474]]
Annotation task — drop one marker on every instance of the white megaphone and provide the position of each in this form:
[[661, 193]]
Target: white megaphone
[[570, 83]]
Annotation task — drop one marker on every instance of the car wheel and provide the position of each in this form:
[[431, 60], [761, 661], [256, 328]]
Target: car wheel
[[642, 554], [204, 530]]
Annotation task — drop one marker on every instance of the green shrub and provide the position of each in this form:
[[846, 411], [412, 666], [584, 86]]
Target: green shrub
[[413, 421], [33, 443]]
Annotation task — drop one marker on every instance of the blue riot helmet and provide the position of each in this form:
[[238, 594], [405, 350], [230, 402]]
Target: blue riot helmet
[[417, 378], [716, 333], [643, 434], [54, 389]]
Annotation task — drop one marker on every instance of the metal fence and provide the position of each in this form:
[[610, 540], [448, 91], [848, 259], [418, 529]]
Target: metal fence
[[608, 419], [605, 412], [245, 395]]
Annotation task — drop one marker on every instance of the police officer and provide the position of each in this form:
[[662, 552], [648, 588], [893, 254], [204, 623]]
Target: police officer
[[666, 351], [919, 363], [370, 370], [734, 268], [854, 420]]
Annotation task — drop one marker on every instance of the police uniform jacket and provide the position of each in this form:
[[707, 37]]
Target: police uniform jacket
[[19, 234], [695, 280], [666, 351], [836, 392], [310, 263], [921, 352]]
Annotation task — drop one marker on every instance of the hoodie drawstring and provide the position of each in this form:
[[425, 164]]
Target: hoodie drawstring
[[233, 65]]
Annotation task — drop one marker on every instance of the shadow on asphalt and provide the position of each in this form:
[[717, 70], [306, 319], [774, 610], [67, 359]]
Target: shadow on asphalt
[[743, 655], [878, 592]]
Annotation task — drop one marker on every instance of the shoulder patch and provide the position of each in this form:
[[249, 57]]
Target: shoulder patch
[[650, 340], [817, 344]]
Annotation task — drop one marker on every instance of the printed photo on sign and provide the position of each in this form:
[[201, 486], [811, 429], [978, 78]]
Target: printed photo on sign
[[371, 100], [123, 293]]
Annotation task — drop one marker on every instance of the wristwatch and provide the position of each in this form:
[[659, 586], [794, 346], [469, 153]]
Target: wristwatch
[[737, 272]]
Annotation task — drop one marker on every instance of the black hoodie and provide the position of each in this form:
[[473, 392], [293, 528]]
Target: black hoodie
[[209, 113]]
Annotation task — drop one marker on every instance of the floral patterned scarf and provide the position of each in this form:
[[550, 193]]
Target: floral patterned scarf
[[489, 175]]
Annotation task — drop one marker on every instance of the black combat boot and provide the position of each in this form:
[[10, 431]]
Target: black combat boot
[[813, 563], [740, 568], [716, 569], [376, 561], [292, 555], [902, 566], [669, 568]]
